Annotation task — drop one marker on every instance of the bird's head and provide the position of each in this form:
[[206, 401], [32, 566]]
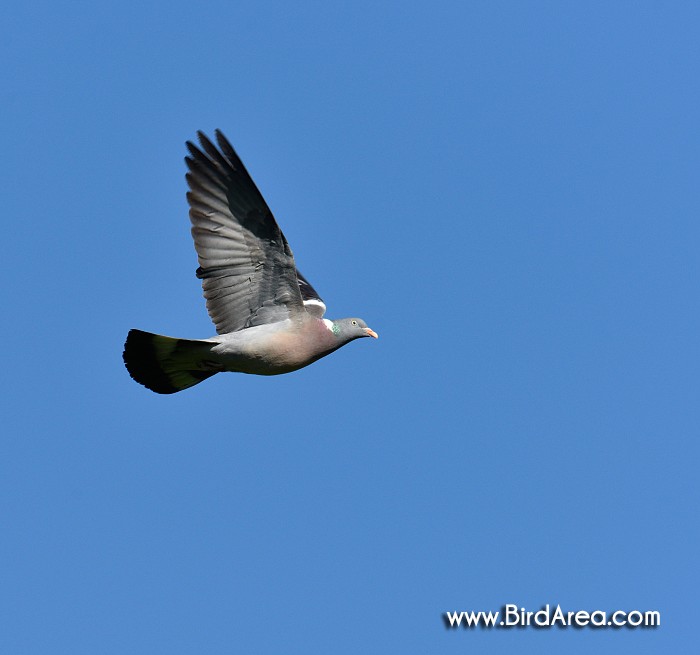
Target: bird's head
[[347, 329]]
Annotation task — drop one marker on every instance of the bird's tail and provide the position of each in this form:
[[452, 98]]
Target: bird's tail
[[163, 364]]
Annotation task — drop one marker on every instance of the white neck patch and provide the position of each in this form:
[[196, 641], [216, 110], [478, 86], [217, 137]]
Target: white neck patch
[[329, 324]]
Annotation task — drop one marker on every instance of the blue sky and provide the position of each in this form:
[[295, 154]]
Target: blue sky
[[506, 191]]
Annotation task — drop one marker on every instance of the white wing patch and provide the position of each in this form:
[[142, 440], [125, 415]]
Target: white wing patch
[[315, 307]]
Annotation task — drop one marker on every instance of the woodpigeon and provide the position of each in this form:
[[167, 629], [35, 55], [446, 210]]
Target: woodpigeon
[[268, 317]]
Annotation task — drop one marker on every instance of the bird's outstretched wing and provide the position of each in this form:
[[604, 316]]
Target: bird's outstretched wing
[[246, 265]]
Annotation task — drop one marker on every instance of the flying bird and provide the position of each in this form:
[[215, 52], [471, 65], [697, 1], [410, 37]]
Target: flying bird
[[268, 317]]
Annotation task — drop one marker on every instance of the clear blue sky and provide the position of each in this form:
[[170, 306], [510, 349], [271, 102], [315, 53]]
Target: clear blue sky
[[506, 191]]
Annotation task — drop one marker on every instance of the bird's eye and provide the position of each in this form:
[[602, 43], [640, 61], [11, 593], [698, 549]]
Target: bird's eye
[[354, 322]]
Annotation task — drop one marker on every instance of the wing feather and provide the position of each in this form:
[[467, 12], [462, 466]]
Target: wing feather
[[247, 268]]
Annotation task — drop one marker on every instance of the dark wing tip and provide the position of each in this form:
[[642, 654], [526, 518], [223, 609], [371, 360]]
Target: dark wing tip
[[204, 140], [221, 139], [218, 156]]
